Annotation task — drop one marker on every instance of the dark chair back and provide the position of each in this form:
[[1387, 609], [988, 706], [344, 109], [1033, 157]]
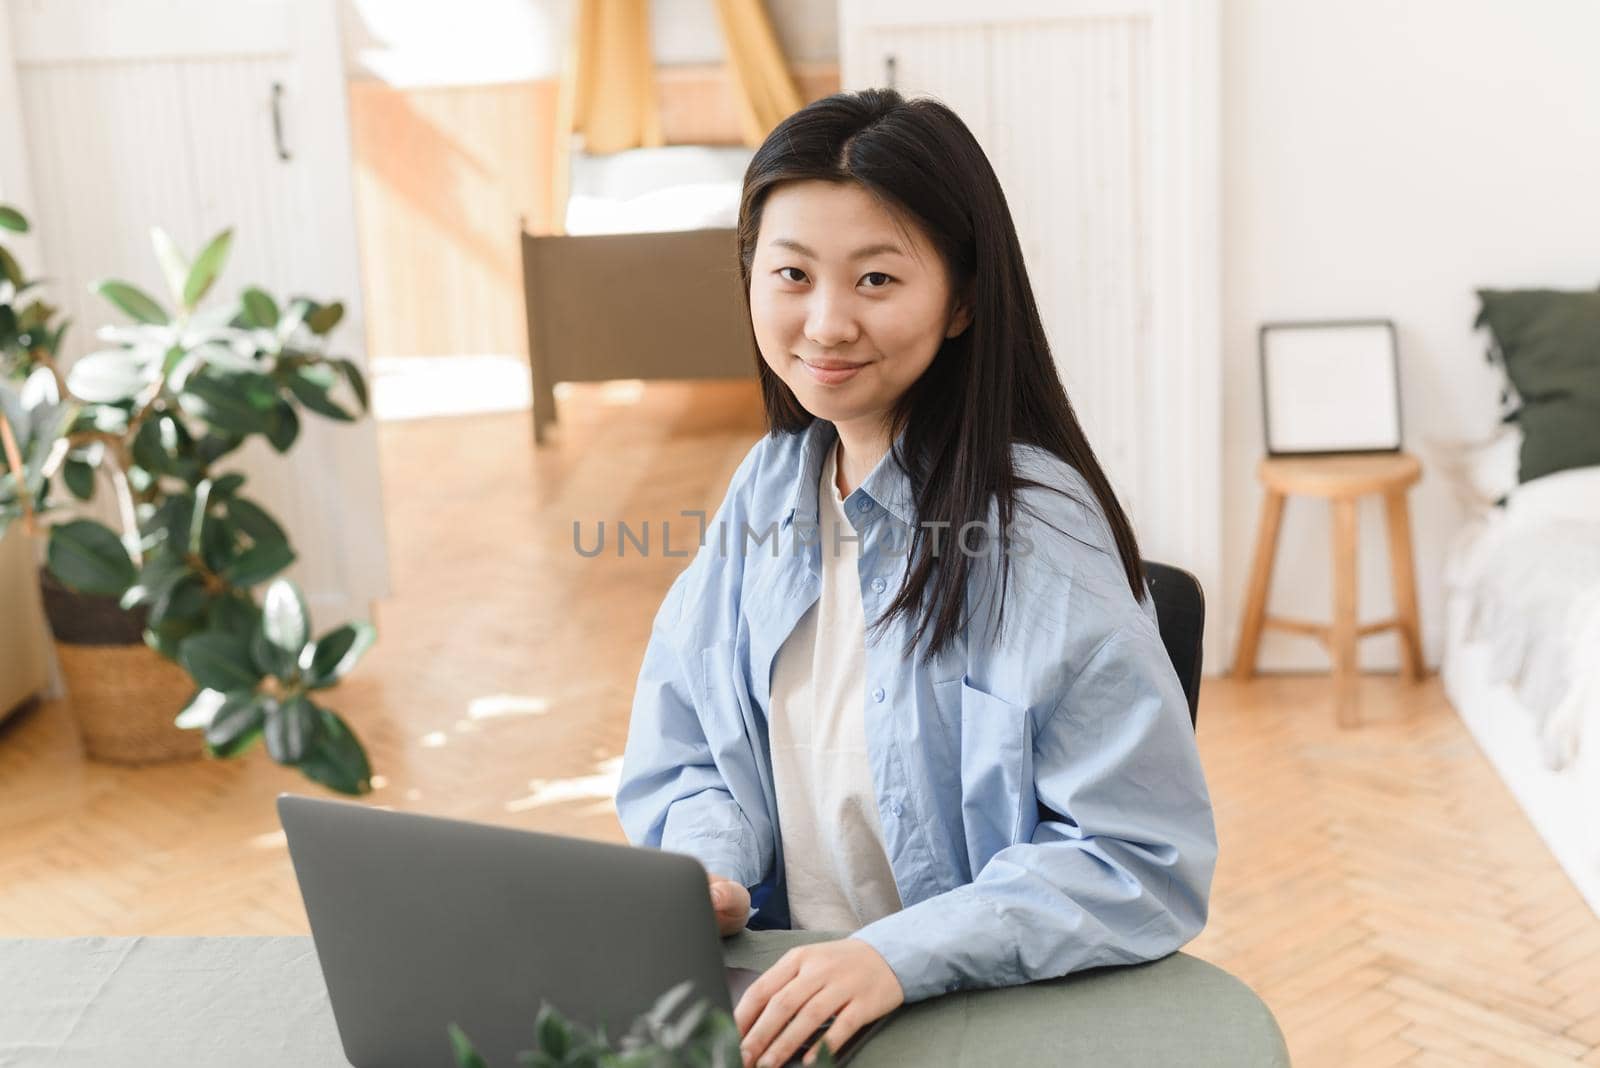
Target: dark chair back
[[1181, 614]]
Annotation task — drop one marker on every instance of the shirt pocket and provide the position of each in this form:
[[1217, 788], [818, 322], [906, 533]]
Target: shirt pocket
[[996, 771]]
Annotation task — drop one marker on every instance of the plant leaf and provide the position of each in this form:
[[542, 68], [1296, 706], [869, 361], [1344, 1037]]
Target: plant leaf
[[270, 659], [337, 759], [325, 318], [215, 398], [291, 729], [311, 391], [260, 310], [105, 418], [172, 519], [178, 363], [254, 521], [169, 636], [185, 599], [147, 451], [219, 544], [668, 1003], [201, 710], [238, 723], [10, 269], [284, 618], [226, 486], [132, 301], [213, 447], [461, 1046], [89, 558], [218, 661], [284, 426], [258, 563], [332, 656], [358, 382], [291, 318], [12, 219], [235, 614], [174, 267], [676, 1034], [79, 477], [197, 518], [107, 377], [206, 267], [552, 1033], [162, 570]]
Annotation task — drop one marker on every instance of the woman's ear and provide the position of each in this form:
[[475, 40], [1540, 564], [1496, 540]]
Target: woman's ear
[[961, 317]]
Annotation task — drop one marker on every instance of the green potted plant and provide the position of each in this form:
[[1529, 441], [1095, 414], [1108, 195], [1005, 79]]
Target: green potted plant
[[31, 419], [669, 1035], [179, 609]]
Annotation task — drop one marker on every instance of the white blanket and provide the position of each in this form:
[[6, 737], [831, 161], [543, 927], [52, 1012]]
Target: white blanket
[[1530, 574]]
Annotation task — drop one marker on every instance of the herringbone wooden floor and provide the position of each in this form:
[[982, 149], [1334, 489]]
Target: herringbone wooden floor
[[1378, 887]]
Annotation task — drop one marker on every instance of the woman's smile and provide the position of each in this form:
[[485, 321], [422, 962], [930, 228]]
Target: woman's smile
[[831, 372]]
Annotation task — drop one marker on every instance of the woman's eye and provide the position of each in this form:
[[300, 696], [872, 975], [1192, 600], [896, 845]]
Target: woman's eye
[[873, 279]]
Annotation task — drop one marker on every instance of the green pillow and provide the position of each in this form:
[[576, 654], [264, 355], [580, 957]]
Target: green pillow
[[1549, 342]]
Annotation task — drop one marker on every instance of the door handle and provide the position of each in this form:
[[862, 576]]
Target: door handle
[[277, 121]]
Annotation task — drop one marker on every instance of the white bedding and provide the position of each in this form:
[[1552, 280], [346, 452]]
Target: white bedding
[[649, 190], [1525, 580]]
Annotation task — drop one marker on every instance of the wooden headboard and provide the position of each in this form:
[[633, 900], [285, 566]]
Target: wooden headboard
[[651, 305]]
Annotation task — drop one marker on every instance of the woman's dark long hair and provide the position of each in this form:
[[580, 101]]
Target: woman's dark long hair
[[992, 385]]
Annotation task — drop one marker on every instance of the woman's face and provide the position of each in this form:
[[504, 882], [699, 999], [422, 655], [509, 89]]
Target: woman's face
[[848, 308]]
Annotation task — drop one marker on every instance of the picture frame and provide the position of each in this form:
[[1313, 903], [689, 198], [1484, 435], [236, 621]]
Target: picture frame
[[1330, 387]]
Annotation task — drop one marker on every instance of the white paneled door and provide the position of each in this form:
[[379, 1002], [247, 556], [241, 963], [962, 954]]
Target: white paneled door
[[195, 116], [1100, 119]]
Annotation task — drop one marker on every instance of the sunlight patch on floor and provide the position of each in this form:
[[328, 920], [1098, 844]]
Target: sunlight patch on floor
[[600, 786], [423, 387], [502, 705], [270, 840], [620, 392]]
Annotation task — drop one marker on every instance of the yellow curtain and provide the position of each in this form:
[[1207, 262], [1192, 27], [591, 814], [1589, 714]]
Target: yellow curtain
[[607, 91], [766, 93], [608, 85]]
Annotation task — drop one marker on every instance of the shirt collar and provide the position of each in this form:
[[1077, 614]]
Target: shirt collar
[[887, 484]]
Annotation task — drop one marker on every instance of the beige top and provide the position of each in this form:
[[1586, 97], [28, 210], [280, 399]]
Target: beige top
[[838, 872]]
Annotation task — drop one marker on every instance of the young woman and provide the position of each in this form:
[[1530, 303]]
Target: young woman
[[911, 686]]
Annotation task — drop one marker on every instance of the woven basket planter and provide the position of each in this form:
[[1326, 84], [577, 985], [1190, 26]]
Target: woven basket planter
[[123, 693]]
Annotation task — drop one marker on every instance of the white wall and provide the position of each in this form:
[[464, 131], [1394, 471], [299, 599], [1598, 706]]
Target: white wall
[[1385, 158]]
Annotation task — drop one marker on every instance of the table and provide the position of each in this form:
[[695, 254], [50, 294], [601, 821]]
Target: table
[[261, 1003], [1342, 481]]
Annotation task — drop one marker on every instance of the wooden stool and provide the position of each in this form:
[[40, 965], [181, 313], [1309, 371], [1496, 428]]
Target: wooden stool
[[1342, 480]]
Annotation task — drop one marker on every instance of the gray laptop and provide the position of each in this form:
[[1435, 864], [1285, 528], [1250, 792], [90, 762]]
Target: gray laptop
[[421, 921]]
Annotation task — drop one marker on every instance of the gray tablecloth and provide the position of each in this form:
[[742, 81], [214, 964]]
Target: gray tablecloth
[[261, 1003]]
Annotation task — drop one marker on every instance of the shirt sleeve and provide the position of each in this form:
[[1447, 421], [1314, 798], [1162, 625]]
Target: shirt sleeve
[[1120, 871], [670, 793]]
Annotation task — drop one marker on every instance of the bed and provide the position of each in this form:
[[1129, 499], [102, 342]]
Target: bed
[[645, 283], [1522, 650]]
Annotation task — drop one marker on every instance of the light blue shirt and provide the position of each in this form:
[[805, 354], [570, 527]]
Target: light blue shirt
[[1039, 788]]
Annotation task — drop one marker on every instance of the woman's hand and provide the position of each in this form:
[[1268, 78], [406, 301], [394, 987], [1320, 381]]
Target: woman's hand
[[846, 979], [731, 901]]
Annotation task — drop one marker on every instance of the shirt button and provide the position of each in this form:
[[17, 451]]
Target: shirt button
[[878, 585], [877, 695], [864, 505], [894, 807]]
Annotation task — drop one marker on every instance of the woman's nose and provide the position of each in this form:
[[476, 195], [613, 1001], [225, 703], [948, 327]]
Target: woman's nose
[[829, 323]]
